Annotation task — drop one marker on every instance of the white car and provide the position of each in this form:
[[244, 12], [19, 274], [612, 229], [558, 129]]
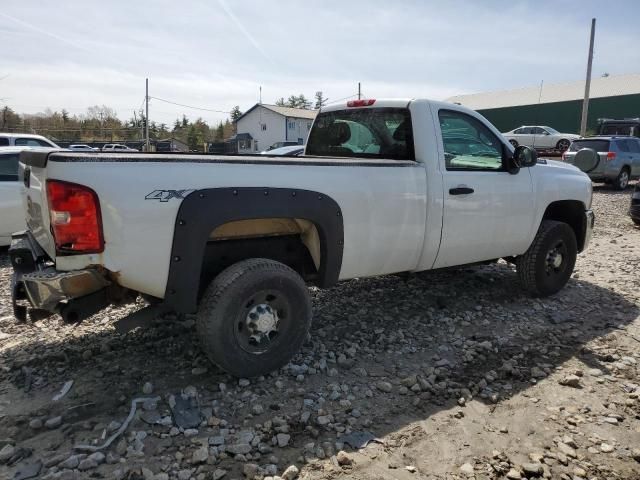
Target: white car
[[290, 151], [540, 137], [25, 140], [11, 188], [117, 147], [83, 148], [235, 239]]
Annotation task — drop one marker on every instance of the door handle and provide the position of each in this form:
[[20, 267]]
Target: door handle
[[460, 191]]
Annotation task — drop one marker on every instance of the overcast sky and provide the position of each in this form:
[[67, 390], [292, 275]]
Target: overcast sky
[[216, 53]]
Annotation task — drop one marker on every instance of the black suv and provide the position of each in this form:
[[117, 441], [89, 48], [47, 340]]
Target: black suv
[[627, 127]]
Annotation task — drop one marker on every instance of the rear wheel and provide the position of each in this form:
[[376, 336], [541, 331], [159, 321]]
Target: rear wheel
[[563, 144], [622, 180], [545, 268], [254, 317]]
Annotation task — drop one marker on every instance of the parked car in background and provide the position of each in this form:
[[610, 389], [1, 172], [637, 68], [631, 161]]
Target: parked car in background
[[613, 160], [11, 189], [625, 127], [290, 151], [117, 147], [540, 137], [282, 144], [83, 148], [25, 140], [634, 209]]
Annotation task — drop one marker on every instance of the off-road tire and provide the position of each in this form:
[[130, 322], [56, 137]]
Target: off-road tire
[[619, 183], [532, 267], [223, 305]]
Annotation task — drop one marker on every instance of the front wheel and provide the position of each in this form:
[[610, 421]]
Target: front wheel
[[514, 143], [545, 268], [254, 317]]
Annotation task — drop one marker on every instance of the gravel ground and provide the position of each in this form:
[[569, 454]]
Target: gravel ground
[[449, 375]]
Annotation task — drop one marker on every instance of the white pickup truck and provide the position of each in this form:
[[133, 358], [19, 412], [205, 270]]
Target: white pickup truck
[[384, 186]]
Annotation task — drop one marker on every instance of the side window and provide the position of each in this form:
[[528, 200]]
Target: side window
[[4, 142], [519, 131], [623, 146], [538, 131], [9, 168], [32, 142], [468, 143]]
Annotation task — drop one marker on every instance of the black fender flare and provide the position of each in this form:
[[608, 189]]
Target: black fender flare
[[204, 210]]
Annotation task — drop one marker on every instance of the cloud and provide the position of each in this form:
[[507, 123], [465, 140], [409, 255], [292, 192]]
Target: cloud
[[244, 31], [47, 33]]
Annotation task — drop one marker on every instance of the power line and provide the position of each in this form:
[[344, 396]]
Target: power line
[[341, 99], [189, 106]]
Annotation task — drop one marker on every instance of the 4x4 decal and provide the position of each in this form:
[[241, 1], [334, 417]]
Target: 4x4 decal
[[166, 195]]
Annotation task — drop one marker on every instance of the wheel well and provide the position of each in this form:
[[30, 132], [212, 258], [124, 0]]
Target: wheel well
[[570, 212], [292, 241]]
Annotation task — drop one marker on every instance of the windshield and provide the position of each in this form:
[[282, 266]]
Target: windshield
[[366, 132], [597, 145]]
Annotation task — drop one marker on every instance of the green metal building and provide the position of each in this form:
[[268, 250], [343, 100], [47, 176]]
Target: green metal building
[[558, 105]]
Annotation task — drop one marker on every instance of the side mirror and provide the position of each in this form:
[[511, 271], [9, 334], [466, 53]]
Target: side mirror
[[524, 157]]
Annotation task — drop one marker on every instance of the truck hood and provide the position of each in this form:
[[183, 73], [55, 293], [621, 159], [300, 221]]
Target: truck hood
[[563, 181], [557, 164]]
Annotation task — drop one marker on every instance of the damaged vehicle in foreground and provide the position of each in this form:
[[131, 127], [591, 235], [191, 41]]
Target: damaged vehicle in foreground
[[385, 186]]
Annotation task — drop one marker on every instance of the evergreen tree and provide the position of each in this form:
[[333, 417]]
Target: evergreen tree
[[235, 113], [320, 101]]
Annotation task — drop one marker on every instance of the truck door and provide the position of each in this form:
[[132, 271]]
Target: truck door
[[487, 211]]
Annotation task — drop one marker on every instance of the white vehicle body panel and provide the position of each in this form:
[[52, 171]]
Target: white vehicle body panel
[[383, 210], [11, 210]]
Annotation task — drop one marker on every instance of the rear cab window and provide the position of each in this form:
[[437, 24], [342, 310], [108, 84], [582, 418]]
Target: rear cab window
[[378, 133], [597, 145], [9, 167]]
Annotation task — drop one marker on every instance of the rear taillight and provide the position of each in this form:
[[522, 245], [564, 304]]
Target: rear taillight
[[611, 156], [361, 103], [75, 217]]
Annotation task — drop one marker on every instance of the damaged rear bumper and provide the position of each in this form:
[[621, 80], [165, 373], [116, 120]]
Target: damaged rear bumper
[[75, 295]]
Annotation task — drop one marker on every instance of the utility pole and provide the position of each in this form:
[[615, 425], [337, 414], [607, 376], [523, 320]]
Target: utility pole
[[587, 85], [146, 120], [260, 101], [101, 114], [359, 92]]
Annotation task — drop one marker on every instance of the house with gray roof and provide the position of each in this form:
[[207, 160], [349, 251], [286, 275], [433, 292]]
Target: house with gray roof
[[264, 125]]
